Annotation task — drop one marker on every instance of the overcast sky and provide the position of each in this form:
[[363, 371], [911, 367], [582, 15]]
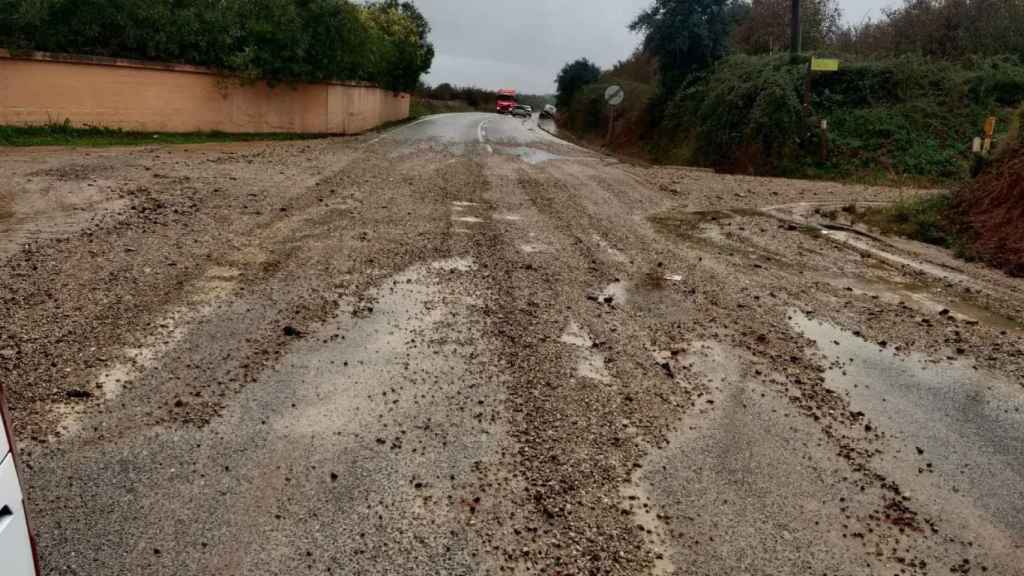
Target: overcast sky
[[522, 44]]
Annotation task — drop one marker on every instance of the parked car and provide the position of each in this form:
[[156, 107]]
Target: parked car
[[548, 111], [521, 111], [17, 548]]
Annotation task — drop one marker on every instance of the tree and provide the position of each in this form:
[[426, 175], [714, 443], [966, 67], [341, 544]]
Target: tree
[[686, 36], [575, 75], [767, 28]]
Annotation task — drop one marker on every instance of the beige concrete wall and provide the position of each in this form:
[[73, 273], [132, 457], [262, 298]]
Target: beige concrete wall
[[38, 88]]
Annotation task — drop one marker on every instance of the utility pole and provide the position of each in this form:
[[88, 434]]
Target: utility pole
[[795, 36]]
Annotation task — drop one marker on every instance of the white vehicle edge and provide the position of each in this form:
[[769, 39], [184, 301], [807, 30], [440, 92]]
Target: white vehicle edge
[[17, 547]]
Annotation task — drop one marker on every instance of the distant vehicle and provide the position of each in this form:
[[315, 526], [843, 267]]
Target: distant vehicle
[[548, 111], [506, 101], [17, 548], [521, 111]]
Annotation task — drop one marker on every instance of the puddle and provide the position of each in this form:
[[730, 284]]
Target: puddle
[[615, 293], [674, 277], [589, 362], [456, 264], [464, 204], [472, 219], [864, 245], [926, 300], [959, 432], [533, 248], [529, 155], [509, 217]]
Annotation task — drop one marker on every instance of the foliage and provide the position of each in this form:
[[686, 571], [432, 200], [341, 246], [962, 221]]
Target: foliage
[[588, 113], [476, 98], [277, 40], [905, 116], [64, 134], [640, 68], [766, 28], [925, 219], [573, 77], [685, 36], [423, 107], [946, 29]]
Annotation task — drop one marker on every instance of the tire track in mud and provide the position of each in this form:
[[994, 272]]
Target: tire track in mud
[[563, 423]]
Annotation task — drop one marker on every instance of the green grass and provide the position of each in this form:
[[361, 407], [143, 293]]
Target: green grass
[[925, 219], [64, 134]]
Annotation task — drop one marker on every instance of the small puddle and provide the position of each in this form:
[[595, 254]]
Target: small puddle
[[456, 264], [529, 155], [867, 246], [589, 362], [926, 300], [470, 219], [533, 248], [959, 431], [615, 293]]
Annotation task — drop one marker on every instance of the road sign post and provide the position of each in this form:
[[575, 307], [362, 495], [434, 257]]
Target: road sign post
[[614, 95]]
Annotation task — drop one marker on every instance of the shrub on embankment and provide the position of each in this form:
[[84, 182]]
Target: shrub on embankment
[[982, 220], [384, 42], [908, 116], [899, 117]]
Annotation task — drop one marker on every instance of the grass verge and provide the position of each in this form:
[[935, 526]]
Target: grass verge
[[57, 134]]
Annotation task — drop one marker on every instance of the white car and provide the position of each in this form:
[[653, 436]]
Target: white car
[[17, 548]]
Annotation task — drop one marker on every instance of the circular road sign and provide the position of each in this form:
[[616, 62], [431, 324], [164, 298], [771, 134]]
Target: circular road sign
[[614, 95]]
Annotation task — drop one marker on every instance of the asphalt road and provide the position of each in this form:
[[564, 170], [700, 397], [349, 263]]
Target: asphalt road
[[466, 347]]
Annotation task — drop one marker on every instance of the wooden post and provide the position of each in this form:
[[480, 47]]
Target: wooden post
[[611, 124], [824, 141]]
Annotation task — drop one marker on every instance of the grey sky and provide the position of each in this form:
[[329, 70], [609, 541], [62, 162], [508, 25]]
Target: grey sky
[[522, 44]]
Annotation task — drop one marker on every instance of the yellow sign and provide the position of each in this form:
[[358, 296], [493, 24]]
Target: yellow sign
[[824, 65], [990, 126]]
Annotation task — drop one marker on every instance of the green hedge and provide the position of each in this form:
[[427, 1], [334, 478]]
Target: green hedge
[[276, 40], [904, 116]]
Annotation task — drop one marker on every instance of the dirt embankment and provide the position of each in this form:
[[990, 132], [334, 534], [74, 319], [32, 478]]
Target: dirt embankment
[[991, 208]]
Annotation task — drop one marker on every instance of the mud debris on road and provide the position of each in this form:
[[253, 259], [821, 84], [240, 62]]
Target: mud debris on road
[[411, 353]]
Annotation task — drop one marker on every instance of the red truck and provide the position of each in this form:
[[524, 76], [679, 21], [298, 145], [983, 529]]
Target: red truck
[[506, 101]]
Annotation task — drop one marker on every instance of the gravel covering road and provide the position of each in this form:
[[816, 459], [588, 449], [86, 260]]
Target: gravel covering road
[[465, 347]]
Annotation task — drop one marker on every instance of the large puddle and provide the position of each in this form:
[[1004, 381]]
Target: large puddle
[[958, 431]]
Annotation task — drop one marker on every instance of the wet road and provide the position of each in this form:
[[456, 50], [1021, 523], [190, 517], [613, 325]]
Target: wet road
[[466, 347]]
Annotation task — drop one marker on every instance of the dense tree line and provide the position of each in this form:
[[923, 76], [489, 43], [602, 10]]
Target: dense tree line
[[712, 84], [474, 97], [385, 41]]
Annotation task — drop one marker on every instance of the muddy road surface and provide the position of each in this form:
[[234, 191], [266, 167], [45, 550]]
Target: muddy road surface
[[464, 347]]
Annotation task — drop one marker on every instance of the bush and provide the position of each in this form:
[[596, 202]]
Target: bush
[[275, 40], [904, 116]]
